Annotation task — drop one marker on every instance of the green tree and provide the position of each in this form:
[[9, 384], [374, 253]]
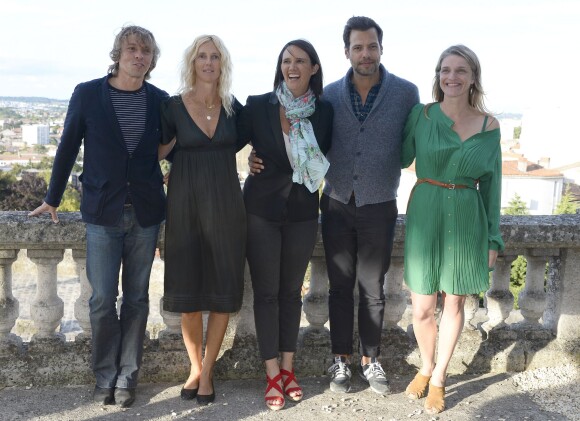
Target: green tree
[[516, 206], [71, 200], [567, 204], [40, 149], [517, 132], [16, 170], [6, 182], [517, 278], [24, 194], [45, 163]]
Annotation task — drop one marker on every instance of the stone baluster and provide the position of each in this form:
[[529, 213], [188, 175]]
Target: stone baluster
[[170, 337], [532, 300], [314, 339], [47, 308], [82, 303], [469, 310], [499, 301], [9, 308], [395, 298], [316, 300], [553, 294], [172, 321], [568, 323]]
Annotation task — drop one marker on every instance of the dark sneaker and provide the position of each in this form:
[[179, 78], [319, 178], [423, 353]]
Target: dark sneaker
[[340, 375], [374, 375], [124, 397], [104, 395]]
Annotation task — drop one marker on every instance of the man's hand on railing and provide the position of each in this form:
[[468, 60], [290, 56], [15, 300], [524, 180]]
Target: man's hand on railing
[[45, 207]]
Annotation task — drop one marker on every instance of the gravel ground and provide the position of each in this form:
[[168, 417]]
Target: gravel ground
[[554, 389], [539, 395]]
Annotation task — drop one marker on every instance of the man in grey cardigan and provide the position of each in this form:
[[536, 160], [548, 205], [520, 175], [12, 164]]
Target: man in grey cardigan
[[359, 208]]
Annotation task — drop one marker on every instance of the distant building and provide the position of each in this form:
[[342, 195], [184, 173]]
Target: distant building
[[7, 134], [540, 188], [8, 161], [35, 134], [571, 172]]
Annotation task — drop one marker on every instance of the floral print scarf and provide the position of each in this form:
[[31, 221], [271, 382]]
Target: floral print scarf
[[310, 164]]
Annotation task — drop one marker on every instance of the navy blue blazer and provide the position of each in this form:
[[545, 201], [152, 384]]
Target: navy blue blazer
[[271, 194], [110, 172]]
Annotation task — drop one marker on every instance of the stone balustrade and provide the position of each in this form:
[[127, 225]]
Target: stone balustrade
[[544, 332]]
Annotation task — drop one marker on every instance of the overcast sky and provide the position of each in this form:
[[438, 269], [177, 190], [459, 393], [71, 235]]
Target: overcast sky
[[528, 48]]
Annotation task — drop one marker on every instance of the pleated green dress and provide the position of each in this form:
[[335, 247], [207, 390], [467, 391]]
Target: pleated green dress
[[449, 232]]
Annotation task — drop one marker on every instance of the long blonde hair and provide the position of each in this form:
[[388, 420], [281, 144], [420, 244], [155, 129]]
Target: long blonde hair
[[188, 75]]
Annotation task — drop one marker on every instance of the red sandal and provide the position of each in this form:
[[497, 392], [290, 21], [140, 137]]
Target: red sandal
[[290, 377], [274, 403]]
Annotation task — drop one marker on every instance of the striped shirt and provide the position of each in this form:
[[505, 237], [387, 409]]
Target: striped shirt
[[131, 110]]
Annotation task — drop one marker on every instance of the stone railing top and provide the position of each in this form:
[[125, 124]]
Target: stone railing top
[[19, 231]]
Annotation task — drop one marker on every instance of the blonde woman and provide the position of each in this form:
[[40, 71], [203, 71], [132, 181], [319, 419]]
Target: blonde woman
[[452, 232], [205, 231]]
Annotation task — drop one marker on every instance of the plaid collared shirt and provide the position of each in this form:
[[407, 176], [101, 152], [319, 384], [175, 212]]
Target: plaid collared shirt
[[361, 111]]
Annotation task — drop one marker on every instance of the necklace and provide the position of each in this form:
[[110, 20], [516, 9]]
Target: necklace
[[208, 112]]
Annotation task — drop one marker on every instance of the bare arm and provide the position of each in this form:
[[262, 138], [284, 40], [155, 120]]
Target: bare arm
[[492, 258], [164, 150]]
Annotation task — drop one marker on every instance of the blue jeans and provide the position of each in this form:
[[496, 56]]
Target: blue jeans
[[117, 339]]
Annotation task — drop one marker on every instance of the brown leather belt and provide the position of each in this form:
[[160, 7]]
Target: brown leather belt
[[450, 186]]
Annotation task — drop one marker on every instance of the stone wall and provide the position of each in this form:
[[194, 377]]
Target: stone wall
[[495, 339]]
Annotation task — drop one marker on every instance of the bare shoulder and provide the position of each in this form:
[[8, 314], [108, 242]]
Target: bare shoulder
[[492, 123]]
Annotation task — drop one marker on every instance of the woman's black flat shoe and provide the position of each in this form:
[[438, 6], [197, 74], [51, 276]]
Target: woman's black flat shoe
[[188, 394], [206, 399]]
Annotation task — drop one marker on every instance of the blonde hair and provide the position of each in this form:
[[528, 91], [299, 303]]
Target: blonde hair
[[476, 93], [188, 75]]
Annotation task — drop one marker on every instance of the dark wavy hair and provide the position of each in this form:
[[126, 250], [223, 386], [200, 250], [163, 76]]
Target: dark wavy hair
[[360, 23], [144, 36], [316, 79]]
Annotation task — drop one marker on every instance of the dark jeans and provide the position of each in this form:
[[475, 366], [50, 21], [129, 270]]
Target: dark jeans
[[357, 242], [278, 255], [117, 339]]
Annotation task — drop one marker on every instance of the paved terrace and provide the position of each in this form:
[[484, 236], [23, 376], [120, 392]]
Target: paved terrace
[[495, 397], [496, 372]]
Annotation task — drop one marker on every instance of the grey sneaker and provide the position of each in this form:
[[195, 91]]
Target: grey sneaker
[[374, 375], [340, 375]]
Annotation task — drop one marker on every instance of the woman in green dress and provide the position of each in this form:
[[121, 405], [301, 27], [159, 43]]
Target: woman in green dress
[[452, 231]]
